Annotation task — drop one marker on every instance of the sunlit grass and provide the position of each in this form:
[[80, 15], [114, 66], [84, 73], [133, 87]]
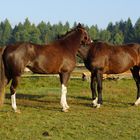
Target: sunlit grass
[[41, 116]]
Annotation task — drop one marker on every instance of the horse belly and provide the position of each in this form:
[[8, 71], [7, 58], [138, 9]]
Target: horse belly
[[43, 67], [120, 66]]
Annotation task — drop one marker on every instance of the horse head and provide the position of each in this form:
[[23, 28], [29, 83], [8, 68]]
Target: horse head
[[85, 38]]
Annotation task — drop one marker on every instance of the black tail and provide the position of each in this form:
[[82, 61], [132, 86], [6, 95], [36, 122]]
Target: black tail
[[2, 77]]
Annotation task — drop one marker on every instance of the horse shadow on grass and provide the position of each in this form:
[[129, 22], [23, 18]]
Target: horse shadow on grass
[[24, 96], [34, 101], [37, 101], [107, 103], [115, 103]]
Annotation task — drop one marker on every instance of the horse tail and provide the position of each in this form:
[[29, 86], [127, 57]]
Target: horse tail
[[2, 77]]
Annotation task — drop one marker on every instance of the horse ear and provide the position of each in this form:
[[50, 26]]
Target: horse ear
[[79, 25]]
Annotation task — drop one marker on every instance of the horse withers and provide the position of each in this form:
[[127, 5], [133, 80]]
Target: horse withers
[[58, 57], [103, 58]]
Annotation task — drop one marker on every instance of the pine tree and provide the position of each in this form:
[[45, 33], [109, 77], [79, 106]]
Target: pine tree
[[94, 32], [35, 35], [16, 33], [105, 35], [43, 32], [5, 32], [128, 32], [137, 31], [118, 39]]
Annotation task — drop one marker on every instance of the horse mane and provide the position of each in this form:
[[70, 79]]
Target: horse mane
[[104, 43], [63, 36], [110, 46], [97, 41]]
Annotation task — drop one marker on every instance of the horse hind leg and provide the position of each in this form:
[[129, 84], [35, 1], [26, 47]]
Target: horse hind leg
[[93, 89], [136, 76], [99, 88], [13, 86], [96, 78]]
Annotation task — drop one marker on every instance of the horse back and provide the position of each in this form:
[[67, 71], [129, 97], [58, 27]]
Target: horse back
[[59, 56], [113, 59]]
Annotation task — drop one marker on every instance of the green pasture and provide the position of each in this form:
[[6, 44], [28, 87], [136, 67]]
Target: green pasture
[[41, 117]]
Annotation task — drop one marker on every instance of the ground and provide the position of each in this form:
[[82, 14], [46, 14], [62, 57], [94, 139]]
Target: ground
[[41, 118]]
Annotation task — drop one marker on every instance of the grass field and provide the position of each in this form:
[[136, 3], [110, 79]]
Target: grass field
[[41, 117]]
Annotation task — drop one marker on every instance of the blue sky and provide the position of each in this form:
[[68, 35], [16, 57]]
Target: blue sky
[[90, 12]]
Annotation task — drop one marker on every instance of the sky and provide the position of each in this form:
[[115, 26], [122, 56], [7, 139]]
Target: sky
[[89, 12]]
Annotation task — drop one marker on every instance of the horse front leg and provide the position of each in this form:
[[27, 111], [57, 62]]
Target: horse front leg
[[13, 94], [64, 77]]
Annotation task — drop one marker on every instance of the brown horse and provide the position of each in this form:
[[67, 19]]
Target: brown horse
[[58, 57], [103, 58]]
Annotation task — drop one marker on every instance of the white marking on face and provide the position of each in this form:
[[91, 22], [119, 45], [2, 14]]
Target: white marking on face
[[13, 100], [63, 98], [137, 101]]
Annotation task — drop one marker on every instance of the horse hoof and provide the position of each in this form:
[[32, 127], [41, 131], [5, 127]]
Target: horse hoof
[[98, 105], [67, 107], [137, 102], [17, 111], [94, 102], [94, 105], [65, 110]]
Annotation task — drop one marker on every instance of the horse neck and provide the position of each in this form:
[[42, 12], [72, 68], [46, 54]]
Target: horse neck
[[83, 52], [73, 41]]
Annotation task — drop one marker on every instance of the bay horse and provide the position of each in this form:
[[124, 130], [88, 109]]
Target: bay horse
[[103, 58], [58, 57]]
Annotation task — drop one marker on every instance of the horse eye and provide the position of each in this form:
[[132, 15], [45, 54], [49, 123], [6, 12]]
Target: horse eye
[[85, 37]]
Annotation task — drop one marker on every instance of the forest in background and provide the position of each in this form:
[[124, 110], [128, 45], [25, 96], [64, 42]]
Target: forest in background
[[118, 33]]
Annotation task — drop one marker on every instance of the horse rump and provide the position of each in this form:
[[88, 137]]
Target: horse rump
[[2, 78]]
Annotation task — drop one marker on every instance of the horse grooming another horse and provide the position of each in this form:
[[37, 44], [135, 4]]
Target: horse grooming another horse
[[58, 57], [102, 58]]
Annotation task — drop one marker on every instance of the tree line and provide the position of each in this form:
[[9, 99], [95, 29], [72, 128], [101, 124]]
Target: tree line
[[118, 33]]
